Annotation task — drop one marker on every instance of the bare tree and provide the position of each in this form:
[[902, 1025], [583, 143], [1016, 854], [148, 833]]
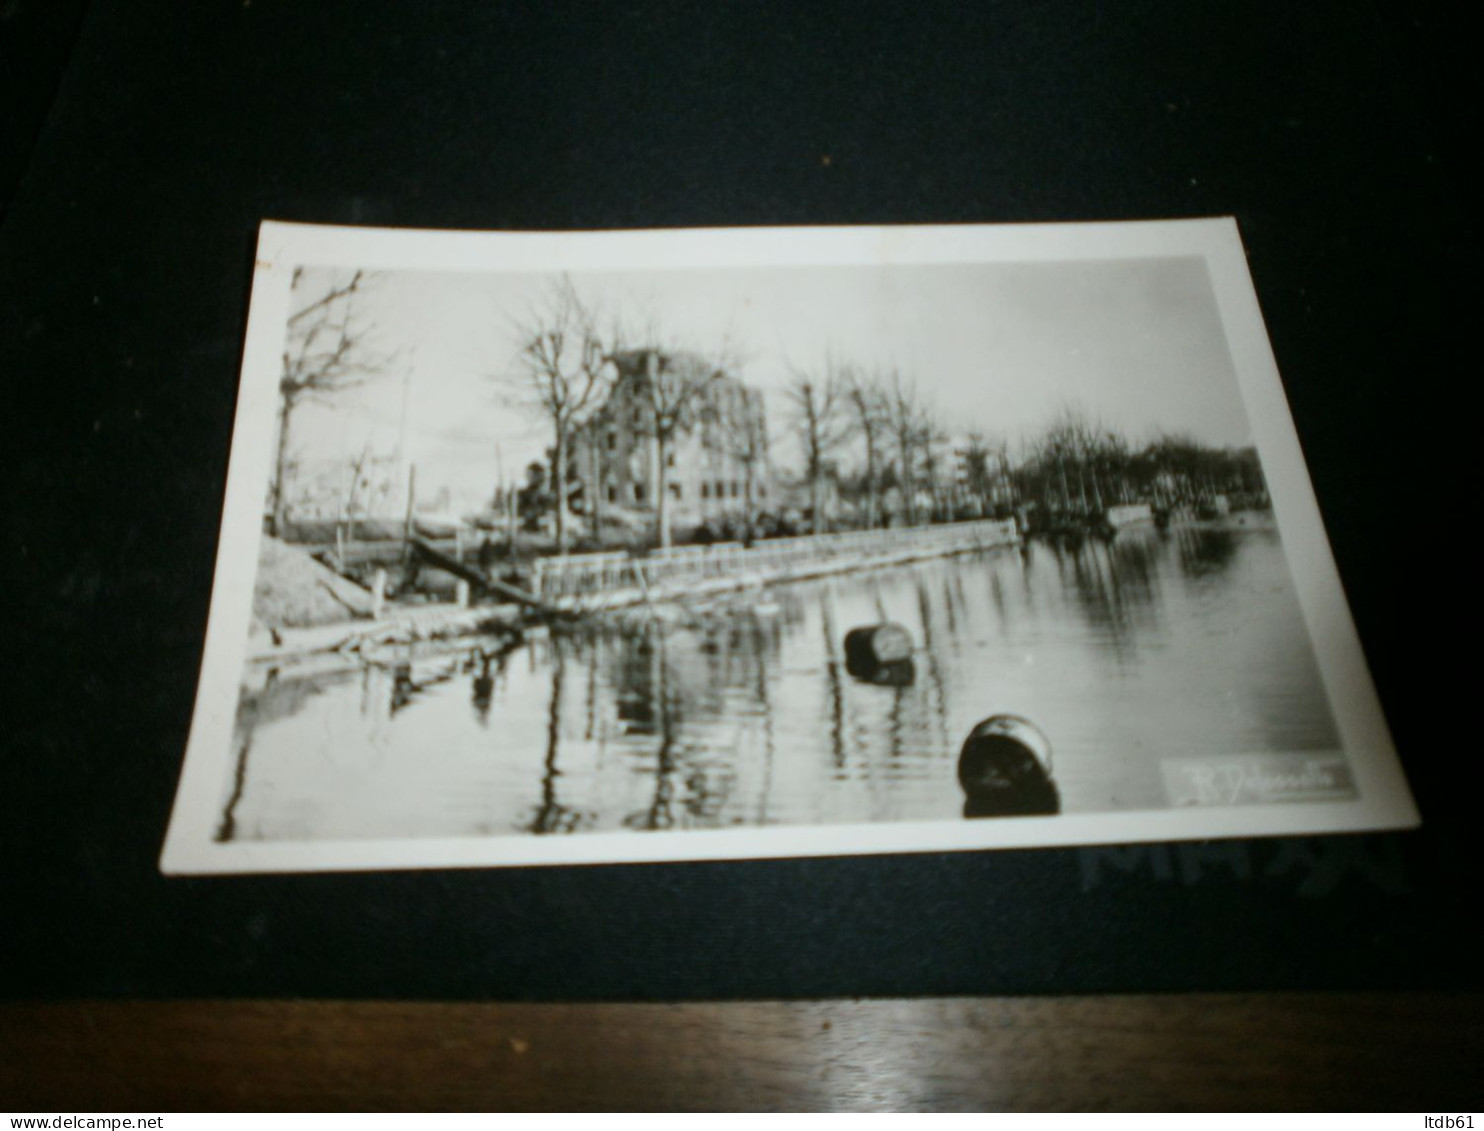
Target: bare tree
[[670, 386], [1080, 460], [357, 470], [905, 421], [1113, 462], [1055, 453], [327, 350], [865, 402], [561, 374], [931, 435], [1074, 441], [674, 387], [677, 389], [1087, 439], [818, 417], [736, 424], [981, 466]]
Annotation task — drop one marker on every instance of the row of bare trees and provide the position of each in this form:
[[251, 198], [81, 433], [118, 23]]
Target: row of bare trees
[[877, 425], [876, 421], [569, 359], [886, 436], [1078, 465], [866, 433], [871, 421], [565, 367]]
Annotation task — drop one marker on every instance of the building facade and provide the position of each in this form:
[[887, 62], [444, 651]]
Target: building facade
[[674, 422]]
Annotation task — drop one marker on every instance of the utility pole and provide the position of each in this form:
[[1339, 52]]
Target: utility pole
[[407, 523]]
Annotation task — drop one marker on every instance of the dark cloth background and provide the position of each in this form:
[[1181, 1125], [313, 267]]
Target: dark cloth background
[[144, 140]]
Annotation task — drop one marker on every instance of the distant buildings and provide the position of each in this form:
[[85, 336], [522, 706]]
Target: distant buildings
[[676, 423]]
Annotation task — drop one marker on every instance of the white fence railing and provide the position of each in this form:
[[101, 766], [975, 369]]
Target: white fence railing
[[577, 575], [1129, 513]]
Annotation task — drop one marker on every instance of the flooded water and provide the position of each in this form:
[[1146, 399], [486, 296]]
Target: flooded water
[[740, 713]]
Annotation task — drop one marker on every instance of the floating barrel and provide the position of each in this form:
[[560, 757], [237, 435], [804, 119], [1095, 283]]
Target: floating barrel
[[1005, 770], [872, 648], [637, 714], [898, 673]]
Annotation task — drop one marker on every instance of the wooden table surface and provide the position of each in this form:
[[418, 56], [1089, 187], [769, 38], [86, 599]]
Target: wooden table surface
[[1367, 1051]]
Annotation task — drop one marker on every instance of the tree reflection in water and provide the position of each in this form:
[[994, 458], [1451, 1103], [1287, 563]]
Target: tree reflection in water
[[938, 697], [489, 668], [276, 699], [1205, 552], [833, 683], [551, 815], [1115, 587], [406, 688], [666, 714], [765, 704], [678, 684], [637, 680]]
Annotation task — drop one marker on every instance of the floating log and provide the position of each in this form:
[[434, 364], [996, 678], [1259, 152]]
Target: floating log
[[871, 648], [478, 579], [1005, 770]]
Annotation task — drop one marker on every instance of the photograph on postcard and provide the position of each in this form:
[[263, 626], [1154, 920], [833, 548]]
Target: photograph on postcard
[[674, 545]]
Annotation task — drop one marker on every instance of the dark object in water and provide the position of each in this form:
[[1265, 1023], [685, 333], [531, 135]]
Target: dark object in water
[[484, 693], [872, 648], [1005, 770], [898, 673], [636, 711], [403, 688]]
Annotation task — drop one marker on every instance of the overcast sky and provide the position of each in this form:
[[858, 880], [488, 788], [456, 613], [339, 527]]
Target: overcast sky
[[998, 347]]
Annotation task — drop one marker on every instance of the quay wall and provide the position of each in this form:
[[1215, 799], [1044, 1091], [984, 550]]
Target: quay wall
[[1130, 513], [607, 580], [579, 583]]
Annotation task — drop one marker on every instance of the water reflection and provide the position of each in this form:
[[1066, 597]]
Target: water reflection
[[488, 664], [1204, 551], [740, 712]]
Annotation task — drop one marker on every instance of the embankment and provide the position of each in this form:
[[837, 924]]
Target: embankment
[[292, 590]]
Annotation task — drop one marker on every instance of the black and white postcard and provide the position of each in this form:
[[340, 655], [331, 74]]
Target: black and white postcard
[[677, 545]]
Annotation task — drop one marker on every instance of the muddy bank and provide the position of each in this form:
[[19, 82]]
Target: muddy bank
[[292, 590]]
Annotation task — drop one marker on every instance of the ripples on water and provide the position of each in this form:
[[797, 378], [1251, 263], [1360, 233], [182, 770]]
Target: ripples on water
[[738, 712]]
